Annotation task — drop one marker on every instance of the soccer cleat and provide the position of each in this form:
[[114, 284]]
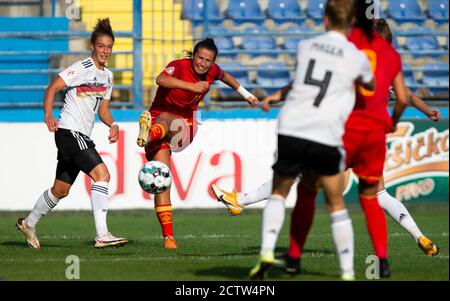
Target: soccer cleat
[[384, 268], [169, 242], [292, 266], [145, 122], [109, 240], [427, 246], [30, 233], [265, 262], [229, 199], [347, 277]]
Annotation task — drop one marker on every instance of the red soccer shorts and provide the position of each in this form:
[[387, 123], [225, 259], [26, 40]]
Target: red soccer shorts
[[366, 152], [179, 137]]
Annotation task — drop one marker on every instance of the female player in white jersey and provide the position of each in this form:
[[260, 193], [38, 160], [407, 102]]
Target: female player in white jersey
[[310, 129], [89, 85]]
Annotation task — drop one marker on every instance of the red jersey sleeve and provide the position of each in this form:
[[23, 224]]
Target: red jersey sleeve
[[218, 72], [174, 69]]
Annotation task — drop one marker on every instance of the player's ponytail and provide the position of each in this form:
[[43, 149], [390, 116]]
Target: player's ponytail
[[102, 28], [207, 43]]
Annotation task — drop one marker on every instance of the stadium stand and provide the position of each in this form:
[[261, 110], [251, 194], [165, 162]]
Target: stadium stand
[[438, 11], [422, 45], [272, 74], [315, 10], [251, 33], [23, 59], [282, 11], [405, 11], [242, 11], [255, 42], [193, 10], [435, 77]]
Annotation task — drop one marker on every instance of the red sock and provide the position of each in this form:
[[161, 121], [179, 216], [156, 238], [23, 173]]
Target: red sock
[[156, 132], [376, 224], [164, 214], [301, 219]]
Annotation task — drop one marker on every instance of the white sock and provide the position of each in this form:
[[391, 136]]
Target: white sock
[[273, 218], [46, 202], [261, 193], [399, 213], [99, 201], [342, 233]]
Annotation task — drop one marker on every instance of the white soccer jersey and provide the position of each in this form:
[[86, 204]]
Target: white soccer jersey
[[323, 92], [87, 86]]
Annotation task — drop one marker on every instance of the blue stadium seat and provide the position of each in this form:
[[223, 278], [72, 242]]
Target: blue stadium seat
[[242, 77], [291, 42], [193, 10], [410, 79], [33, 62], [225, 43], [254, 42], [423, 43], [405, 11], [315, 10], [436, 74], [241, 11], [272, 74], [285, 11], [438, 11]]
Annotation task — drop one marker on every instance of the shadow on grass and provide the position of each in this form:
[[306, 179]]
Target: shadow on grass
[[241, 273]]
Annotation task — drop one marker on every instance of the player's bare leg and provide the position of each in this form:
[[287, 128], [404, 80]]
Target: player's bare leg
[[163, 206], [273, 218], [400, 214], [46, 202], [341, 224], [99, 202]]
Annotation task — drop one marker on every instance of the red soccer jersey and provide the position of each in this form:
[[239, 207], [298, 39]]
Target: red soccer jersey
[[371, 110], [183, 102]]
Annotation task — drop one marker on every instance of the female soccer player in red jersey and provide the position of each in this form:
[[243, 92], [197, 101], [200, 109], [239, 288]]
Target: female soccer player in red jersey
[[170, 123]]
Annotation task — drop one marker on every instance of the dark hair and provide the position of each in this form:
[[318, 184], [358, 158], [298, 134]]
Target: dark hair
[[207, 43], [339, 12], [382, 27], [362, 21], [103, 27]]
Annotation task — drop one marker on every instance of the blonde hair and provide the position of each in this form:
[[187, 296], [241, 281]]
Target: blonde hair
[[339, 12]]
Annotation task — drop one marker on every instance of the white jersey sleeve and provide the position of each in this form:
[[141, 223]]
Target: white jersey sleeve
[[323, 91], [74, 75]]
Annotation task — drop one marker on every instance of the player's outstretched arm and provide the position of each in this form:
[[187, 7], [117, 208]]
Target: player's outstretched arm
[[233, 83], [171, 82], [276, 97], [419, 104], [56, 85], [105, 116]]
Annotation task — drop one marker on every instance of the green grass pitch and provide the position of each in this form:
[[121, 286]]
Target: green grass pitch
[[211, 246]]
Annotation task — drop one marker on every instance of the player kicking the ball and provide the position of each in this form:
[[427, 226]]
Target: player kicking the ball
[[89, 85], [170, 124]]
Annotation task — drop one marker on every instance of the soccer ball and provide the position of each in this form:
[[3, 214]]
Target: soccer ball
[[155, 177]]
